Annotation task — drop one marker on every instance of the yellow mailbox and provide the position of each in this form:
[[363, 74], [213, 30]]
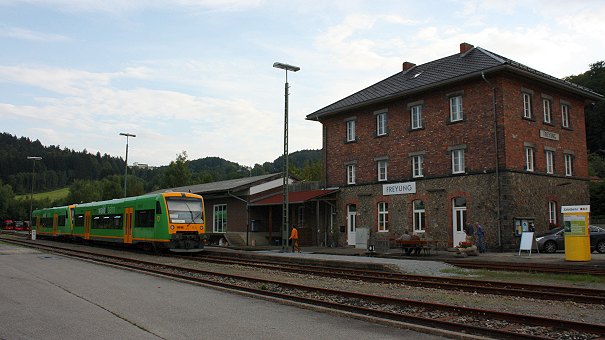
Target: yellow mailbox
[[577, 237]]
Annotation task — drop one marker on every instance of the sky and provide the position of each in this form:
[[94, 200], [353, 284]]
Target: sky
[[197, 75]]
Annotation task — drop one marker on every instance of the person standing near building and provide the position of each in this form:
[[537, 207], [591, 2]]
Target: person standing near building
[[480, 237], [294, 238]]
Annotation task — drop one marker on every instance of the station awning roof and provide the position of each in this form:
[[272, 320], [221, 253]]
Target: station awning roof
[[293, 197]]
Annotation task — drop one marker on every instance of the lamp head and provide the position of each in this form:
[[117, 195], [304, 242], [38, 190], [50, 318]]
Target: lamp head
[[286, 67]]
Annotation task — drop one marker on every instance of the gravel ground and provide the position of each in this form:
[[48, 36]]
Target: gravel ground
[[431, 268]]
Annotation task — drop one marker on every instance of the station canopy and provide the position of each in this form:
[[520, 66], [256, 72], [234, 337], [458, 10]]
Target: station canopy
[[293, 197]]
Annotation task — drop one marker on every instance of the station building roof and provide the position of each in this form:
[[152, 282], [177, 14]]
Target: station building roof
[[293, 197], [469, 63]]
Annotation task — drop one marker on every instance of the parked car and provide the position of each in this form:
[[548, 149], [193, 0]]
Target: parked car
[[554, 240]]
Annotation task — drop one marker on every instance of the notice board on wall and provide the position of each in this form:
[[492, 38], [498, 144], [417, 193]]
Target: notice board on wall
[[527, 241]]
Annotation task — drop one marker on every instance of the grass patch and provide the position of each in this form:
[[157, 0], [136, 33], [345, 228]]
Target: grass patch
[[539, 277], [51, 195], [526, 277], [456, 271]]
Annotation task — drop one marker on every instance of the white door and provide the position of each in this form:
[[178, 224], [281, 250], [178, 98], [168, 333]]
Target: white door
[[351, 224], [458, 220]]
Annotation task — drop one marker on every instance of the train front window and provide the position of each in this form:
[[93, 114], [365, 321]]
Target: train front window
[[185, 210]]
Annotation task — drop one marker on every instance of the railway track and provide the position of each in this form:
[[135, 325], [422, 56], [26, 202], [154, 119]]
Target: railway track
[[534, 291], [402, 312], [543, 292]]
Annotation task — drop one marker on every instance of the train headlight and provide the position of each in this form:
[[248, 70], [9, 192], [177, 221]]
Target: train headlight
[[171, 227], [201, 227]]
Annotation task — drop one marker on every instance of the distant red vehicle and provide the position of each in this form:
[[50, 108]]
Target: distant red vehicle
[[8, 225], [19, 225]]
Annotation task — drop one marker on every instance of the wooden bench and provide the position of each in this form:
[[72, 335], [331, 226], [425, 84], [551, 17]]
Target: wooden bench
[[415, 247]]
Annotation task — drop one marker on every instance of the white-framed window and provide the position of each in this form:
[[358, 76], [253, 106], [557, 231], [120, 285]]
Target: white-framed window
[[529, 159], [568, 164], [419, 214], [383, 216], [565, 115], [219, 223], [456, 108], [418, 166], [382, 170], [416, 116], [550, 162], [526, 105], [552, 212], [458, 161], [351, 174], [351, 130], [381, 124], [547, 111]]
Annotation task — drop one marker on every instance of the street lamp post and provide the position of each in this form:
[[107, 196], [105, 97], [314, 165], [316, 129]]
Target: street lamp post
[[31, 197], [285, 212], [126, 161]]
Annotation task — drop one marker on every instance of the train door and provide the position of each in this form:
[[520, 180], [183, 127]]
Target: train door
[[128, 225], [87, 225], [351, 224], [458, 220], [72, 221], [55, 222]]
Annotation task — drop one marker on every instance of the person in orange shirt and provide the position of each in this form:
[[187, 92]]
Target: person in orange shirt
[[294, 238]]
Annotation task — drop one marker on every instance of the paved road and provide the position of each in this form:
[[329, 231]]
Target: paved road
[[45, 296]]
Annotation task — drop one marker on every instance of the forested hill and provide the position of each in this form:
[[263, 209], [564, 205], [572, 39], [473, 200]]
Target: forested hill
[[594, 79], [59, 167]]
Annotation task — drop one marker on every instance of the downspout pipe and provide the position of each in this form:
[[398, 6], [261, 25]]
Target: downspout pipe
[[498, 184]]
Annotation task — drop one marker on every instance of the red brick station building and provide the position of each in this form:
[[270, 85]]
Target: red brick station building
[[471, 137]]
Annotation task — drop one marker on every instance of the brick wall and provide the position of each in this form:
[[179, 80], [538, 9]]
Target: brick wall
[[437, 134], [519, 130], [475, 132], [523, 194]]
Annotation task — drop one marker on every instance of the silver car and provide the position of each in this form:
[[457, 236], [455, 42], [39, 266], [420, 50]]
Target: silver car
[[554, 240]]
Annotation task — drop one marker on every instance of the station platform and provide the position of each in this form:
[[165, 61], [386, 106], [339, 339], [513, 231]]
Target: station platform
[[422, 264]]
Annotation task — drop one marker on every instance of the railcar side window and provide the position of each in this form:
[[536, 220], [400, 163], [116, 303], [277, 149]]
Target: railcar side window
[[80, 220], [117, 222], [96, 222], [158, 208], [144, 218], [61, 220], [107, 222]]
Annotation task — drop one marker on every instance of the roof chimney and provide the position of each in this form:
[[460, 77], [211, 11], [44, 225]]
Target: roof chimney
[[407, 65], [465, 47]]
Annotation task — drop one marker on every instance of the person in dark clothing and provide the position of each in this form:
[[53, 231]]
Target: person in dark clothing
[[480, 237]]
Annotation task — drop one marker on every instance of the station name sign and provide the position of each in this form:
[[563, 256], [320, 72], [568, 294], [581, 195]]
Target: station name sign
[[399, 188], [566, 209], [549, 135]]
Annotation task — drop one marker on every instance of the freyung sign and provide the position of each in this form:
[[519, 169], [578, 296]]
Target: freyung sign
[[399, 188]]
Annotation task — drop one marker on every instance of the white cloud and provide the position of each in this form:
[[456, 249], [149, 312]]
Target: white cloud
[[225, 99], [25, 34], [120, 6]]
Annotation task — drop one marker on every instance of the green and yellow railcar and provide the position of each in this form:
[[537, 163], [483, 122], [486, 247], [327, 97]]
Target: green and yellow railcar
[[174, 221], [54, 222]]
